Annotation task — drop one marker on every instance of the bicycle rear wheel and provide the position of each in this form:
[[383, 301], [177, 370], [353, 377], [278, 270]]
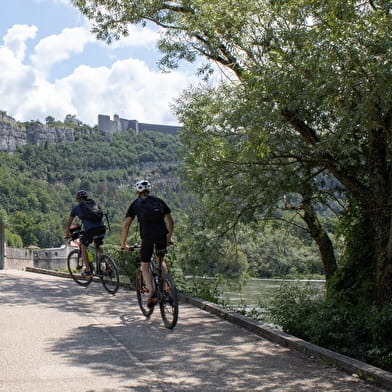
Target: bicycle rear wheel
[[168, 303], [75, 268], [142, 294], [109, 274]]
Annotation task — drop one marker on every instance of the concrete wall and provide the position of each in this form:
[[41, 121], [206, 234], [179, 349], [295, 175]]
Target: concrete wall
[[17, 258], [52, 258]]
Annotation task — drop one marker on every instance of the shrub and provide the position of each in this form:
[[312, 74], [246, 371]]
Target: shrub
[[358, 331]]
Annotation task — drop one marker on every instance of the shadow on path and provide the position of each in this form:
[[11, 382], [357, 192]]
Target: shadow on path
[[203, 353]]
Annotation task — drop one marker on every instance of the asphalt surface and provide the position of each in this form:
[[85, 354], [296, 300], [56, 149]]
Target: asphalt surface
[[56, 336]]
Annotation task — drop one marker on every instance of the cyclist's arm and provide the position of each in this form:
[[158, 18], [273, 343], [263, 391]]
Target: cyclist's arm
[[170, 227], [124, 233], [67, 232]]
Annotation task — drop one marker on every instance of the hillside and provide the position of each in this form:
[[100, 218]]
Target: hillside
[[39, 181]]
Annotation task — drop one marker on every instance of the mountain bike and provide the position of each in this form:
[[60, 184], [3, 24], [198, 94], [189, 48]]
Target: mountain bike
[[165, 291], [102, 266]]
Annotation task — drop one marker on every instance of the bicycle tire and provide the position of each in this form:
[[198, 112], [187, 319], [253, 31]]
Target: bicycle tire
[[142, 294], [75, 268], [109, 274], [168, 301]]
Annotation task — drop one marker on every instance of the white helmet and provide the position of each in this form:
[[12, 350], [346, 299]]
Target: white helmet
[[142, 185]]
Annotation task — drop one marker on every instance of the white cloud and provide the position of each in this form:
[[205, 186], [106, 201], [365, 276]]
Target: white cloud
[[127, 87], [15, 39], [59, 47]]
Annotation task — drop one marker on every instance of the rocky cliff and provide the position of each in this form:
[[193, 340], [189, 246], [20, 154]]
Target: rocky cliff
[[14, 134]]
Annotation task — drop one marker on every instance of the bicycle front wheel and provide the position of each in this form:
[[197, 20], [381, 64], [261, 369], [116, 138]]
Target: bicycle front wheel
[[168, 302], [142, 294], [109, 274], [75, 268]]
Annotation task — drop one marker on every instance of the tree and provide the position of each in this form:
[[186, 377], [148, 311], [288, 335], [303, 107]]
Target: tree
[[71, 121], [312, 81], [49, 120]]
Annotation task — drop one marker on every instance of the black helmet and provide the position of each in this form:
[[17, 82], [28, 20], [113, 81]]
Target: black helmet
[[81, 194]]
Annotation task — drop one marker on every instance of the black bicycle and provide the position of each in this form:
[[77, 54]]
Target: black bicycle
[[103, 267], [165, 291]]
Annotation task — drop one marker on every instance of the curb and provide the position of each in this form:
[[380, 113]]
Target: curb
[[351, 366], [64, 275]]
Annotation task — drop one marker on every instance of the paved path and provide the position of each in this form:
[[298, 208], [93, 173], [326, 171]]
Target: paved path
[[58, 337]]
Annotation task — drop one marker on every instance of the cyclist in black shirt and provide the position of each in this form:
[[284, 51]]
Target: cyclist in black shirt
[[155, 231]]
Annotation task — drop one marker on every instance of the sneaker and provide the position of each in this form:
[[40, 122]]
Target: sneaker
[[86, 274]]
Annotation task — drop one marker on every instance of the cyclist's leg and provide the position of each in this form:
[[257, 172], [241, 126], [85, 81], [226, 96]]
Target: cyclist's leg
[[87, 239], [83, 249], [160, 247], [146, 251]]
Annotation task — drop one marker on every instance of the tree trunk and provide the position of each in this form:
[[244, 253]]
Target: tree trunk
[[380, 229], [321, 237], [379, 210]]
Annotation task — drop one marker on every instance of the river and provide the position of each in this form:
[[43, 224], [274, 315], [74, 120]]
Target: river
[[260, 291]]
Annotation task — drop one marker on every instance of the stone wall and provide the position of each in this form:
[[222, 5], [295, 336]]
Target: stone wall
[[118, 125], [17, 258], [51, 258]]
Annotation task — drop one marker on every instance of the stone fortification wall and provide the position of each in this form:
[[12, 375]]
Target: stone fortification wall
[[118, 125], [14, 134]]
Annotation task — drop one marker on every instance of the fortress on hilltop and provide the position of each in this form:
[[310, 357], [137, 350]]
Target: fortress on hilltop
[[118, 125]]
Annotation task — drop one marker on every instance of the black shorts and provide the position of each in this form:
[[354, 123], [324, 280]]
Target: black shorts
[[88, 235], [147, 247]]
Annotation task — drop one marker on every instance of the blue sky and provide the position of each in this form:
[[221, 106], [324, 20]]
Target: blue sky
[[51, 65]]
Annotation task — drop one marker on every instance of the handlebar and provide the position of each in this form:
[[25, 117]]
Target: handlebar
[[137, 246], [131, 248]]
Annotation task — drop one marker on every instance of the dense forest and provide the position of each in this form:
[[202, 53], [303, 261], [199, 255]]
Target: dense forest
[[38, 185]]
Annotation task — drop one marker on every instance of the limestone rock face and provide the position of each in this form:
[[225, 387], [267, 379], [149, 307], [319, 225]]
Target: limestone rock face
[[14, 135]]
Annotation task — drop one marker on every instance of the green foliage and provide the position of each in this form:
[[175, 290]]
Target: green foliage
[[354, 329], [39, 183], [128, 264], [204, 288], [13, 240]]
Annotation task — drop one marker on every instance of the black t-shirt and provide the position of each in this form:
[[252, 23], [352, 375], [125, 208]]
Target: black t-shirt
[[149, 228]]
